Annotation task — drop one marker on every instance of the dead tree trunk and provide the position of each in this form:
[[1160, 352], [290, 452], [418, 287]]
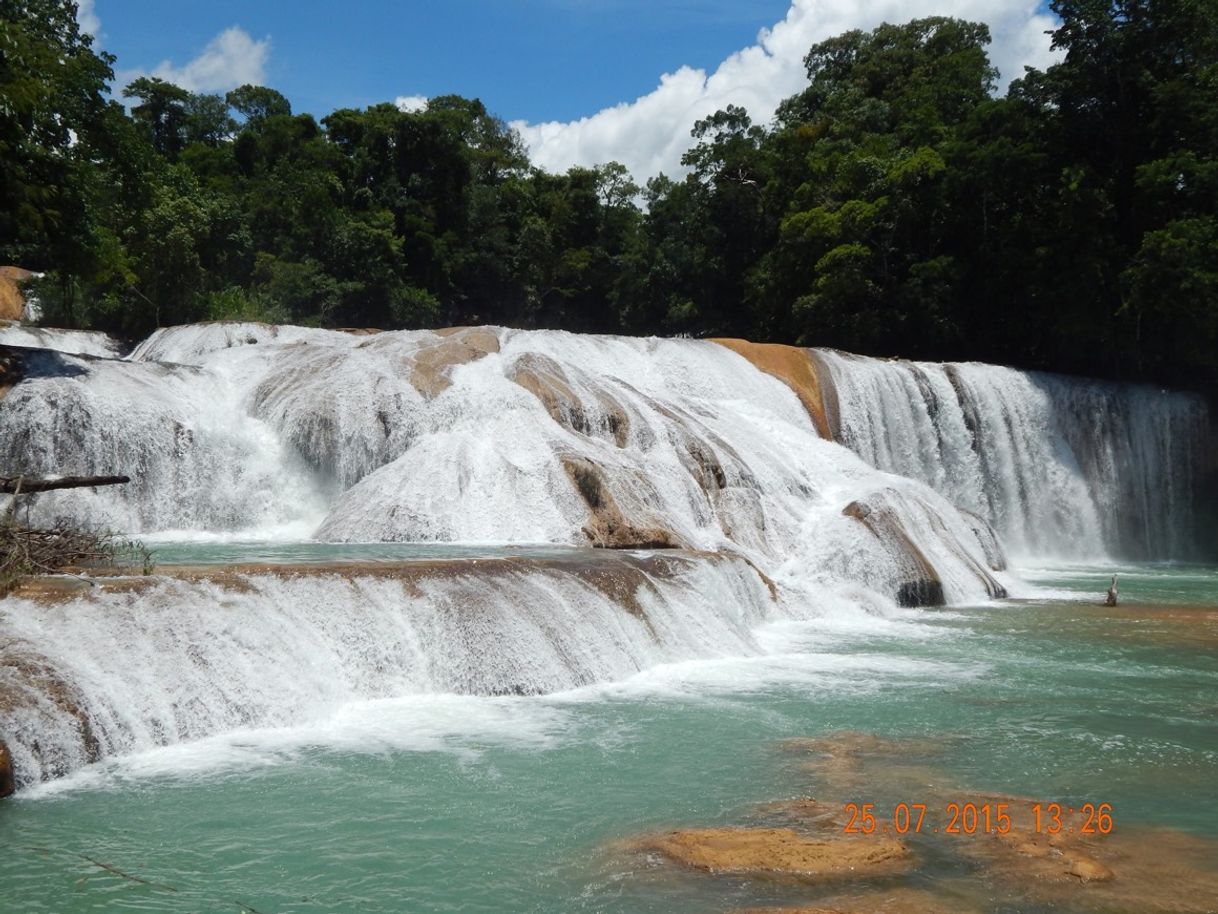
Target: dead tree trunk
[[14, 485]]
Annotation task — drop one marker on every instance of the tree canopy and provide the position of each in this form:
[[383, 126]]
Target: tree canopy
[[896, 205]]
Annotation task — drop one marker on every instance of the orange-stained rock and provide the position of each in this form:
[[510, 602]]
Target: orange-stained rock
[[12, 302], [33, 687], [782, 851], [545, 379], [1089, 870], [800, 370], [457, 346]]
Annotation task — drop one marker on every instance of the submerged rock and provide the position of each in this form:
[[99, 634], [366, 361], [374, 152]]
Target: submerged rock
[[899, 900], [780, 851], [1124, 870]]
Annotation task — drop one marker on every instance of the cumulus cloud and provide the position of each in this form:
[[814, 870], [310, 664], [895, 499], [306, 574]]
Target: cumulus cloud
[[650, 134], [86, 18], [409, 103], [233, 58]]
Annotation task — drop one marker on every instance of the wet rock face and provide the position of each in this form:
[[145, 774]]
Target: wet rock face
[[607, 527], [802, 371], [919, 581], [433, 365], [922, 592], [921, 585], [991, 545], [35, 698], [7, 779], [596, 415], [12, 368]]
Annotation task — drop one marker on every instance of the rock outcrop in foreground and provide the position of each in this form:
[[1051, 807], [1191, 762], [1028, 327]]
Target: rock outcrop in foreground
[[825, 870]]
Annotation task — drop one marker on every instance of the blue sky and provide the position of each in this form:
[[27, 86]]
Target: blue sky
[[535, 60], [584, 81]]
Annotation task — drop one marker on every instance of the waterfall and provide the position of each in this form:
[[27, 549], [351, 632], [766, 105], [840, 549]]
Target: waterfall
[[1062, 467], [480, 435], [126, 669], [782, 484], [77, 342]]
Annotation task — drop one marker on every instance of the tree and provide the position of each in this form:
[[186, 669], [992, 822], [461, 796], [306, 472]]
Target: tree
[[162, 112], [52, 105], [258, 103], [207, 120]]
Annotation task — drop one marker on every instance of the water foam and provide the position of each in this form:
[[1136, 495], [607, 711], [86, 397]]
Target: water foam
[[486, 435], [1061, 467]]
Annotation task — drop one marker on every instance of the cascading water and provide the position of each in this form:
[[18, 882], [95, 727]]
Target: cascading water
[[486, 435], [1062, 467], [175, 660], [77, 342], [479, 435]]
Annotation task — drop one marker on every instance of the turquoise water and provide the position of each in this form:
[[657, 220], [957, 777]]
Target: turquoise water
[[444, 803], [224, 553]]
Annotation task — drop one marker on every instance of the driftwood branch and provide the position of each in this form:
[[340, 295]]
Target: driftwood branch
[[11, 485]]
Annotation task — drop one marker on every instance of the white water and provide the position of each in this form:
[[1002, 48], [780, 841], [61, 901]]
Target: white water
[[335, 434], [77, 342], [279, 651], [245, 431], [1062, 467]]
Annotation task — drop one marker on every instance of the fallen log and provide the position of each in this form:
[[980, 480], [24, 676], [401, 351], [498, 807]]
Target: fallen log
[[10, 485]]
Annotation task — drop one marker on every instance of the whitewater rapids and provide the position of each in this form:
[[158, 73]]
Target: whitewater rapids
[[774, 484]]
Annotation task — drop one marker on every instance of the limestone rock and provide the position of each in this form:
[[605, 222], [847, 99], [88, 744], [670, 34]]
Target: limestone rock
[[896, 900], [781, 851], [607, 528], [7, 780], [995, 556], [12, 302], [457, 346], [546, 380], [1089, 870], [921, 585], [799, 369]]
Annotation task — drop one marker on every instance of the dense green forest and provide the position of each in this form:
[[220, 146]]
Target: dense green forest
[[896, 206]]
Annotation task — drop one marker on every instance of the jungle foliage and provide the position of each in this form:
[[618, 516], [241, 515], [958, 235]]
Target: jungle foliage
[[896, 206]]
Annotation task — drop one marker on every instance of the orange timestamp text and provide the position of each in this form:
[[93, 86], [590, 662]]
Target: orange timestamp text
[[979, 818]]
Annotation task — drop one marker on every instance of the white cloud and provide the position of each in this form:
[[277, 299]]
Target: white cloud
[[410, 103], [86, 18], [650, 134], [231, 59]]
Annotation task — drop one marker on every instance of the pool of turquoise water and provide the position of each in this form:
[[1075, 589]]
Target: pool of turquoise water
[[446, 803]]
